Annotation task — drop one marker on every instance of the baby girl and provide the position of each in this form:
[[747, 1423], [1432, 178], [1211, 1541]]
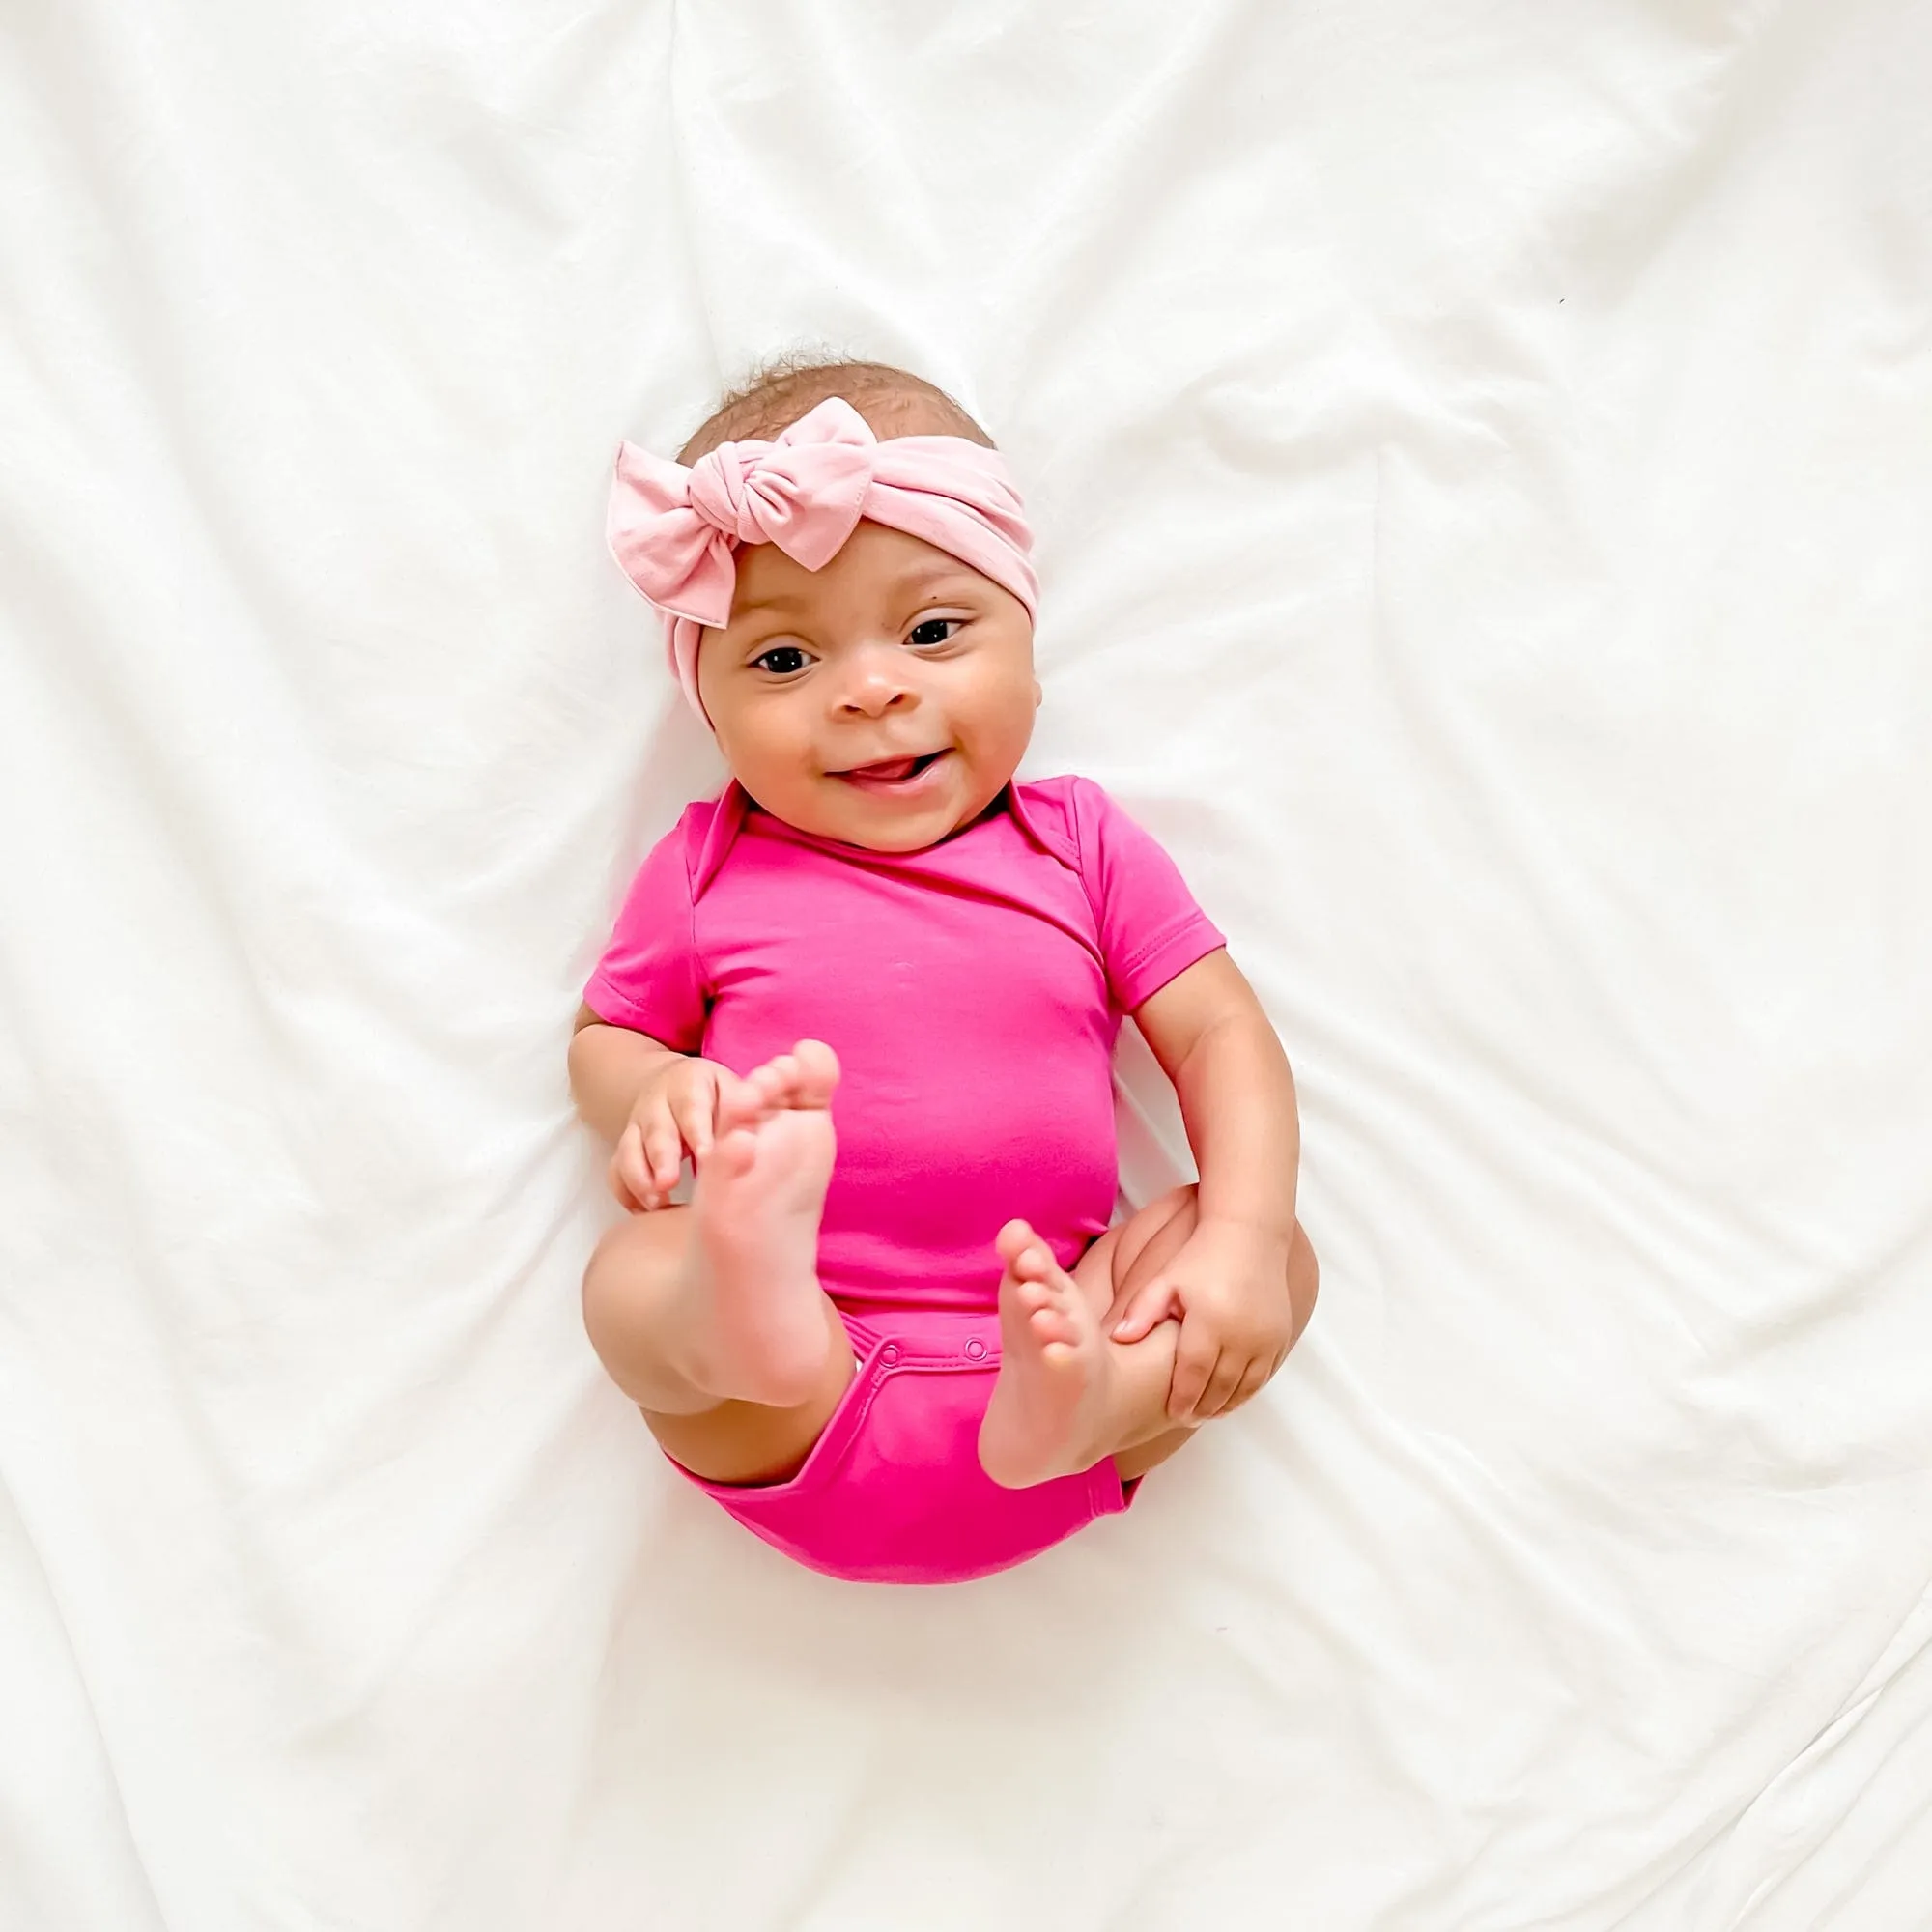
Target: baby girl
[[872, 993]]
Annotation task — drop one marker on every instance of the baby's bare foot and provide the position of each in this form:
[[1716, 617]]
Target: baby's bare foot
[[757, 1328], [1050, 1406]]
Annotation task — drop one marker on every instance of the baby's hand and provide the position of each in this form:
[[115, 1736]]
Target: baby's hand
[[1229, 1285], [676, 1113]]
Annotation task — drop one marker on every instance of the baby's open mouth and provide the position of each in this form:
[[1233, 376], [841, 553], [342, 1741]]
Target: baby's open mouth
[[889, 772]]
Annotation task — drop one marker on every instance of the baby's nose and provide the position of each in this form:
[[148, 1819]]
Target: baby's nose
[[874, 687]]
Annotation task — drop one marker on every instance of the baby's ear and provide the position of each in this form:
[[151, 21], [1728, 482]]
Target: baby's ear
[[1038, 695]]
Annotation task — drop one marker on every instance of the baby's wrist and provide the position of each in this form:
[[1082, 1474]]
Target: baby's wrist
[[651, 1086], [1264, 1227]]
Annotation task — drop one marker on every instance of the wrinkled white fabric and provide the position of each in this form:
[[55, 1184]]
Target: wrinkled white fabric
[[1545, 393]]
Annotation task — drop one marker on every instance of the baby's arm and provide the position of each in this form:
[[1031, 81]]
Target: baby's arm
[[1230, 1282], [651, 1102]]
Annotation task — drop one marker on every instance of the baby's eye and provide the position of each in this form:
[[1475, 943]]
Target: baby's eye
[[934, 630], [782, 660]]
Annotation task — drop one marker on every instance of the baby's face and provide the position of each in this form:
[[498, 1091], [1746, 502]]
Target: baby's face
[[883, 701]]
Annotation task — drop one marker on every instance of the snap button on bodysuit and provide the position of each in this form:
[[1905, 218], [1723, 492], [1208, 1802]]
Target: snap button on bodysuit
[[890, 1352], [975, 1349]]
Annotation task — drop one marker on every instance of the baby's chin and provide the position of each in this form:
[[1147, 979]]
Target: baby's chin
[[830, 809]]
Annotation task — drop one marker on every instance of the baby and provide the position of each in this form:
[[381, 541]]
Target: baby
[[872, 993]]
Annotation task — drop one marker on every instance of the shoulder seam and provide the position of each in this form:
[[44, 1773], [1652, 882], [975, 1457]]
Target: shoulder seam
[[1072, 810], [1045, 812], [696, 825], [1088, 884]]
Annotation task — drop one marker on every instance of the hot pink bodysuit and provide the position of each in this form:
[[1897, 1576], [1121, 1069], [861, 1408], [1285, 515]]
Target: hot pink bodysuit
[[972, 992]]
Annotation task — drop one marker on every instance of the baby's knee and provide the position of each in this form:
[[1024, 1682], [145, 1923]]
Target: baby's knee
[[602, 1285], [619, 1268], [1304, 1281]]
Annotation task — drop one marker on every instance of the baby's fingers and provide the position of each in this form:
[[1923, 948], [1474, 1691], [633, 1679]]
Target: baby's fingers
[[1254, 1380], [1222, 1384], [1152, 1302], [694, 1112], [663, 1155], [1194, 1363], [630, 1173]]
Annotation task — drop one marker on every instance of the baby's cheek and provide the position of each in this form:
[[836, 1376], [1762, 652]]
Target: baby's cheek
[[760, 752], [1001, 732]]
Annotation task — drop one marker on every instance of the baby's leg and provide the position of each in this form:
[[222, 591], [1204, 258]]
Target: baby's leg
[[1110, 1272], [710, 1318], [1068, 1395]]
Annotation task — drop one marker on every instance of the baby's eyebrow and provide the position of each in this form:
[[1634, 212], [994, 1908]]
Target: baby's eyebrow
[[922, 581], [929, 582]]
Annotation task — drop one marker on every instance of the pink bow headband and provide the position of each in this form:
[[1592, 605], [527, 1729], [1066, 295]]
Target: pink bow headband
[[675, 531]]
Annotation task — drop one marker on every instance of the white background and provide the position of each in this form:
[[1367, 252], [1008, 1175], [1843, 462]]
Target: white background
[[1482, 456]]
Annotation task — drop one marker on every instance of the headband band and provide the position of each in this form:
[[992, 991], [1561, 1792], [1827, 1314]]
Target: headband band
[[675, 531]]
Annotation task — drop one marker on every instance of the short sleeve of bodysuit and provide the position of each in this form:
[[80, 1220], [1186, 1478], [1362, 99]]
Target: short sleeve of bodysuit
[[649, 978], [1150, 928]]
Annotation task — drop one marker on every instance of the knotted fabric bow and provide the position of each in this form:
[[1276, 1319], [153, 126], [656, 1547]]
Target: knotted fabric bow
[[675, 531]]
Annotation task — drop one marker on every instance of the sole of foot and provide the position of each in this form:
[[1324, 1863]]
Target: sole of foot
[[757, 1327]]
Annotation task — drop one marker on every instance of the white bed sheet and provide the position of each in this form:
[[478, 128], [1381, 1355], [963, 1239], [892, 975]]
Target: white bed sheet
[[1482, 453]]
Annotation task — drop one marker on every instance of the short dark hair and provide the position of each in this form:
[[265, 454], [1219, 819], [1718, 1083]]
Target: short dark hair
[[894, 402]]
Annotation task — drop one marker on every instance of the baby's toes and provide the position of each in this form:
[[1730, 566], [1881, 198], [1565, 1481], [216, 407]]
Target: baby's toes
[[791, 1079], [1053, 1322], [732, 1155], [1034, 1294], [1036, 1263], [817, 1072], [738, 1105], [769, 1084]]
